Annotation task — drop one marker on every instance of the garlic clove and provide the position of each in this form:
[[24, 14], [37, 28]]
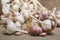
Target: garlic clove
[[11, 28]]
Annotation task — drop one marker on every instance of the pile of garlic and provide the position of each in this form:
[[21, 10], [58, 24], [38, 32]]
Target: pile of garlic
[[21, 14]]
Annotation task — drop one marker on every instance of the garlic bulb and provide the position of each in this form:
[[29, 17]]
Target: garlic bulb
[[24, 6], [25, 13], [11, 28], [16, 13], [20, 18], [3, 2], [58, 14], [15, 7], [46, 24], [17, 1], [18, 24], [58, 22], [6, 9], [30, 7]]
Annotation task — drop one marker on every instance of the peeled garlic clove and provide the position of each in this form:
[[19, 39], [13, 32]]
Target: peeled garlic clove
[[43, 34], [46, 25]]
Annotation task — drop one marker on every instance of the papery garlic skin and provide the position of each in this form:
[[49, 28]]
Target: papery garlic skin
[[18, 24], [58, 14], [25, 13], [30, 7], [15, 7], [17, 1], [24, 6], [3, 2], [20, 18], [46, 25], [11, 28], [6, 9], [16, 13]]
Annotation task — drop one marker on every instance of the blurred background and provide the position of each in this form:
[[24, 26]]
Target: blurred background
[[47, 3]]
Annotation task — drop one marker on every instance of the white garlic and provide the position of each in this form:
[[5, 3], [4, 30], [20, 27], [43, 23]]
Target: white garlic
[[24, 6], [11, 28], [20, 18], [15, 7], [25, 13], [58, 14], [18, 24], [46, 24], [17, 1], [30, 7], [3, 2], [16, 13], [6, 9]]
